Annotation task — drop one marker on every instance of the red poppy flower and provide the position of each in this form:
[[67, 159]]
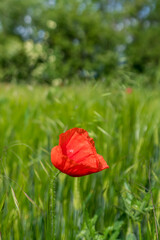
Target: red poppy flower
[[129, 90], [76, 154]]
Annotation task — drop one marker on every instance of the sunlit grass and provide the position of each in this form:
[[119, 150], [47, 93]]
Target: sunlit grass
[[115, 203]]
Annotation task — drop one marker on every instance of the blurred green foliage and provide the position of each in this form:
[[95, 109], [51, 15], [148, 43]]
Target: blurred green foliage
[[46, 40], [110, 205]]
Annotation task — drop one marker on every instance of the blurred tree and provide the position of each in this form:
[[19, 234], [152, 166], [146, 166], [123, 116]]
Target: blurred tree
[[83, 38], [19, 14], [78, 39], [142, 46], [79, 35]]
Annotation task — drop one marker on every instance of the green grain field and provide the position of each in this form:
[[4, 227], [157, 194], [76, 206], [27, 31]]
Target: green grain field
[[122, 202]]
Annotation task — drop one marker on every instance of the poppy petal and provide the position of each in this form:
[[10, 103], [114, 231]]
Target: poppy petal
[[102, 163], [64, 138], [79, 149], [76, 154], [57, 158]]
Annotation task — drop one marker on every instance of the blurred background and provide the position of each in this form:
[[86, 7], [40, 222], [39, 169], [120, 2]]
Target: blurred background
[[55, 42]]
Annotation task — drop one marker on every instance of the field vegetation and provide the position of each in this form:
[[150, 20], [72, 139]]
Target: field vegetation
[[122, 202]]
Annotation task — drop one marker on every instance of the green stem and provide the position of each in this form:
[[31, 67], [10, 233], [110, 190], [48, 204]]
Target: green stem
[[77, 203], [139, 228], [77, 195], [52, 205]]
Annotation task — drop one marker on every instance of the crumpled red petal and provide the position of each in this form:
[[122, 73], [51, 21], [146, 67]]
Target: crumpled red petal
[[76, 154]]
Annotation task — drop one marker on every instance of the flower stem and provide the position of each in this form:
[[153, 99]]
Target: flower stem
[[52, 206], [77, 195], [139, 228]]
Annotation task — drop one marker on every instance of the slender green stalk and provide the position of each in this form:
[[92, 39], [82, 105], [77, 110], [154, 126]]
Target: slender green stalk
[[139, 228], [77, 196], [154, 211], [52, 206], [77, 203]]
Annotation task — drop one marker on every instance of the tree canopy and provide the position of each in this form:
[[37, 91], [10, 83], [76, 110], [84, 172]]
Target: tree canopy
[[43, 40]]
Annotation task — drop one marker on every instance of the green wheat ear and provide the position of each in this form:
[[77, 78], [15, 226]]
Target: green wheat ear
[[52, 206]]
